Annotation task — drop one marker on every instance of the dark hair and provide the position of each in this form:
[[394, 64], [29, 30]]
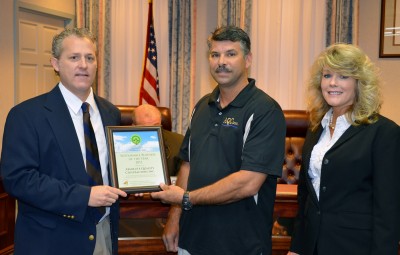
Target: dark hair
[[231, 33]]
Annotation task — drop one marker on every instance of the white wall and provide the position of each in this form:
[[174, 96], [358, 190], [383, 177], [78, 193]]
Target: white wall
[[369, 30]]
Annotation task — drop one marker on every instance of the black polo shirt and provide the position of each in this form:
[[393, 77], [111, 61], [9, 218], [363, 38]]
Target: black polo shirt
[[248, 134]]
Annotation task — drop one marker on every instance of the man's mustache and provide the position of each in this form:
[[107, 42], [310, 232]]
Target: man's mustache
[[221, 69]]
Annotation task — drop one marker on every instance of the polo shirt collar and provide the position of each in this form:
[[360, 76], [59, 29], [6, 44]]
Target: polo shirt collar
[[241, 99]]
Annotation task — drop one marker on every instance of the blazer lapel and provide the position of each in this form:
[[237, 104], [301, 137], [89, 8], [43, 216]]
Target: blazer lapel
[[64, 131], [350, 132], [313, 138], [109, 119], [105, 113]]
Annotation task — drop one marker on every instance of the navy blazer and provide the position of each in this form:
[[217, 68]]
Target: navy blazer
[[42, 166], [358, 210]]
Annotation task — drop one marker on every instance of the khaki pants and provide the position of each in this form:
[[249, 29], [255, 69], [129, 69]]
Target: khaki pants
[[182, 252], [103, 240]]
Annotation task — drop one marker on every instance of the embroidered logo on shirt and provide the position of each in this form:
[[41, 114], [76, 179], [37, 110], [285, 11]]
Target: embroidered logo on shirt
[[230, 122]]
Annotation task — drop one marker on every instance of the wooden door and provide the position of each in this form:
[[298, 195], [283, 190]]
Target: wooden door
[[35, 73]]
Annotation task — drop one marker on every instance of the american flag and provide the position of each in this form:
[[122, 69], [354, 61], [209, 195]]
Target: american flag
[[149, 90]]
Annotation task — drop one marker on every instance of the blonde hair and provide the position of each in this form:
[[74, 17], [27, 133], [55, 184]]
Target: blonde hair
[[347, 60], [57, 47]]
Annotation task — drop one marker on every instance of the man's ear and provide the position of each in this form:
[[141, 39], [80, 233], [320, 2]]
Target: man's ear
[[249, 59], [54, 63]]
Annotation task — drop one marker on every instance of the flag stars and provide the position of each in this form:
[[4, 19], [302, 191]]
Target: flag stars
[[151, 50]]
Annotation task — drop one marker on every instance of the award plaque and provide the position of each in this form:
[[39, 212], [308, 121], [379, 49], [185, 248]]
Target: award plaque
[[137, 158]]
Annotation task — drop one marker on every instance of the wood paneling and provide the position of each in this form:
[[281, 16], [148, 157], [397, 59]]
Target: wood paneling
[[7, 221], [145, 207]]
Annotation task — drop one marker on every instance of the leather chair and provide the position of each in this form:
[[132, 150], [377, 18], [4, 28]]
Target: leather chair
[[297, 123], [286, 207], [127, 110]]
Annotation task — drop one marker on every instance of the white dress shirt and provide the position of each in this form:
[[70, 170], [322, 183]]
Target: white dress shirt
[[325, 142], [74, 106]]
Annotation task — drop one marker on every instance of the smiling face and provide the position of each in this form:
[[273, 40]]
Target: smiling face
[[77, 65], [338, 90], [228, 64]]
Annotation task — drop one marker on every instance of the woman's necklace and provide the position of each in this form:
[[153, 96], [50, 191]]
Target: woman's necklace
[[331, 122]]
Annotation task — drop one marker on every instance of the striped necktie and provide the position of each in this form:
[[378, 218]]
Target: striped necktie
[[92, 154]]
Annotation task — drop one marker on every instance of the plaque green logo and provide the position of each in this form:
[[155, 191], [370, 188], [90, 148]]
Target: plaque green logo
[[136, 139]]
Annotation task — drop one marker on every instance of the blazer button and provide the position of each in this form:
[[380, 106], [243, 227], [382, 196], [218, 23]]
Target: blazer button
[[323, 189], [91, 237], [326, 161]]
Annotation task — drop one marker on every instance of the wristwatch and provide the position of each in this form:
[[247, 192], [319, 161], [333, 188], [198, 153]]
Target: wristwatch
[[186, 204]]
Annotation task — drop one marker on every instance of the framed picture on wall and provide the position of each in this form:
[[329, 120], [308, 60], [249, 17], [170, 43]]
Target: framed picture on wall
[[389, 46]]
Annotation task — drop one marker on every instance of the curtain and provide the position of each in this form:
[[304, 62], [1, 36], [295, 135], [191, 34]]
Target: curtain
[[95, 15], [182, 34], [128, 38], [286, 37], [236, 13], [342, 21]]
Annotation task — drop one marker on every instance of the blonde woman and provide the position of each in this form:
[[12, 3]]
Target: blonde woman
[[348, 190]]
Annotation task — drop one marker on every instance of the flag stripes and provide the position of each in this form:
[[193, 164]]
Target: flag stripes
[[149, 90]]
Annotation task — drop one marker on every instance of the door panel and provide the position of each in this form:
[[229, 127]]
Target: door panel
[[35, 73]]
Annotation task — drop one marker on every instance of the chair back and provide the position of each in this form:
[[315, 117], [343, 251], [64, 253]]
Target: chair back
[[297, 123]]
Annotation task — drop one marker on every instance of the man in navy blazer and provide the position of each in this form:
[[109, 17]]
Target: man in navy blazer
[[43, 160]]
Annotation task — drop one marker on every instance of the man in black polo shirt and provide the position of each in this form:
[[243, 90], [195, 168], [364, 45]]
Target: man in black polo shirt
[[233, 152]]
